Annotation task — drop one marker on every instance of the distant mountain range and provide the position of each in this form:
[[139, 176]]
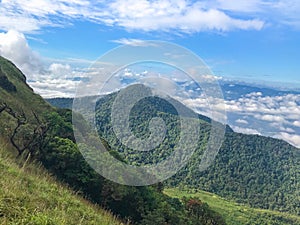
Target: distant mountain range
[[260, 171], [251, 109]]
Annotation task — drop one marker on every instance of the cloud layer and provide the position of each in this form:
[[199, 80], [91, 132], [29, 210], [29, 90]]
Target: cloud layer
[[14, 46], [182, 16], [276, 116], [52, 81]]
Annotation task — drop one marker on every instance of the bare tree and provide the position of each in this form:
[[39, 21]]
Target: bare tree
[[2, 107], [38, 134]]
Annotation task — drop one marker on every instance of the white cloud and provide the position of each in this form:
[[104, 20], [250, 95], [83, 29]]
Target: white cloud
[[288, 10], [50, 88], [254, 94], [241, 121], [134, 42], [258, 114], [287, 129], [276, 116], [14, 46], [60, 70], [179, 15], [240, 6], [293, 139], [48, 82], [285, 12], [284, 106], [245, 130], [296, 123], [270, 118], [210, 78], [183, 16]]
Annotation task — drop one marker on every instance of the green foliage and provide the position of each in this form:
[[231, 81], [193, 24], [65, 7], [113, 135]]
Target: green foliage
[[148, 205], [202, 212], [234, 213], [62, 157], [63, 103], [24, 98], [5, 83], [259, 171], [59, 154]]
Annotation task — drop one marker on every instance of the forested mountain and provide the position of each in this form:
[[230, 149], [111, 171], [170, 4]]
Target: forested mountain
[[260, 171], [256, 170], [33, 130], [64, 103]]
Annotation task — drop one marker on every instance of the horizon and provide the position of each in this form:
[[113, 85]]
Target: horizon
[[255, 43], [255, 40]]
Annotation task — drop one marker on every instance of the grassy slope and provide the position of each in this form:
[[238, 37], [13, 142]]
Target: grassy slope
[[28, 195], [24, 99], [238, 214]]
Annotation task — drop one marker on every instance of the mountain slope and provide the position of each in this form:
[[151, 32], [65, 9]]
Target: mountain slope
[[259, 171], [19, 95], [29, 195], [31, 126], [21, 101]]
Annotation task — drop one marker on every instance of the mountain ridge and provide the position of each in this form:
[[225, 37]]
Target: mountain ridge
[[33, 130], [256, 170]]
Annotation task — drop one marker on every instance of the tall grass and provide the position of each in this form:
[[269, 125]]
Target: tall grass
[[29, 195]]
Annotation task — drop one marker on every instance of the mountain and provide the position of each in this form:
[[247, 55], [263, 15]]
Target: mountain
[[34, 131], [28, 193], [259, 171], [64, 103], [251, 169], [233, 90], [16, 92]]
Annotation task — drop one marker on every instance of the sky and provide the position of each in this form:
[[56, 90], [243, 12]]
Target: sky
[[253, 39], [53, 41]]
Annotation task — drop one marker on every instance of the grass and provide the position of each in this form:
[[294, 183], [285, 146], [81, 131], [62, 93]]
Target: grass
[[29, 195], [237, 214]]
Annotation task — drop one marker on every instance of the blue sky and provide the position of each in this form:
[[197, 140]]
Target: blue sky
[[253, 39]]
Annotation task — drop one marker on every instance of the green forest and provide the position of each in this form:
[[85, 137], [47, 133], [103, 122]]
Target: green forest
[[34, 130], [257, 171]]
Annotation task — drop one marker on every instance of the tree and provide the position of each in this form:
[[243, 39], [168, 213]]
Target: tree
[[24, 135], [202, 212]]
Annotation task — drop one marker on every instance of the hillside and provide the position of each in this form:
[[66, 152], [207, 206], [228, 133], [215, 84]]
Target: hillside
[[31, 127], [16, 92], [18, 103], [29, 195], [63, 103], [259, 171], [234, 213]]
